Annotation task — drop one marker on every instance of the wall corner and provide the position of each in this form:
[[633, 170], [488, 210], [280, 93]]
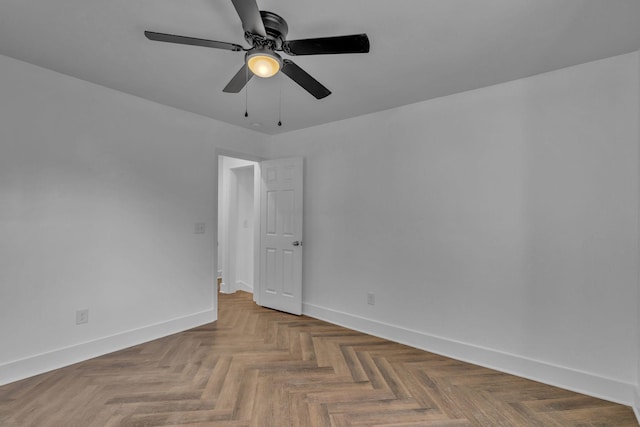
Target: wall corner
[[636, 403]]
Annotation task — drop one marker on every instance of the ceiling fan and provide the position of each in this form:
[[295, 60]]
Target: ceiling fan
[[266, 32]]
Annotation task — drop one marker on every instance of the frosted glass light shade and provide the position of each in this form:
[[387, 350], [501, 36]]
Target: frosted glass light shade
[[264, 63]]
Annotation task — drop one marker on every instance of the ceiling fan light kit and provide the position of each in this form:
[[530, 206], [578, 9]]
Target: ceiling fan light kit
[[263, 62], [267, 32]]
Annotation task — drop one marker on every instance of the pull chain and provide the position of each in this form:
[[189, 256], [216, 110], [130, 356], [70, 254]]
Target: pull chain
[[280, 104], [246, 91]]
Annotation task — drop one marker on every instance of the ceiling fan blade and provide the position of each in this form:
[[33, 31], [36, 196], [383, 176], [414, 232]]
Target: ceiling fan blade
[[355, 43], [307, 82], [250, 16], [238, 81], [161, 37]]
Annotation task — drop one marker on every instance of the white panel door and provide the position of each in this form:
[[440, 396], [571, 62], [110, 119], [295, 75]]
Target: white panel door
[[281, 235]]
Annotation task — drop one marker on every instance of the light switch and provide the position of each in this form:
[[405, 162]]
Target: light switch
[[199, 228]]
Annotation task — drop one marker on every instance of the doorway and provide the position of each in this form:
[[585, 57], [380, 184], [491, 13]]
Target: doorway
[[238, 224]]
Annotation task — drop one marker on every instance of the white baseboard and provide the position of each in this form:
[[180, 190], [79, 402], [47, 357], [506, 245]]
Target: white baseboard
[[45, 362], [224, 289], [242, 286], [567, 378]]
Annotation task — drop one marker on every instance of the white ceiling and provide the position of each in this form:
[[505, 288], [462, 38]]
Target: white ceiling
[[420, 49]]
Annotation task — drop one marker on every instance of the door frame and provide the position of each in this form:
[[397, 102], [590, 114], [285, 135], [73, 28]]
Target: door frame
[[233, 226], [256, 230]]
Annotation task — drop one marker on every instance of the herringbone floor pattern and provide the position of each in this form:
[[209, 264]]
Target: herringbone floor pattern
[[257, 367]]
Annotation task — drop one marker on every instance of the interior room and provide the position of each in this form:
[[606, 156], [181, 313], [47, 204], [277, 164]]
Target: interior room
[[238, 211], [471, 184]]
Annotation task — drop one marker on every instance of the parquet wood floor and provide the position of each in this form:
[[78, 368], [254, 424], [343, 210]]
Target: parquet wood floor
[[257, 367]]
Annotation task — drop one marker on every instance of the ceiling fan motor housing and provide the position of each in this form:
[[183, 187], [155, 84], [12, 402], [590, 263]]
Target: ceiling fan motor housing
[[276, 28]]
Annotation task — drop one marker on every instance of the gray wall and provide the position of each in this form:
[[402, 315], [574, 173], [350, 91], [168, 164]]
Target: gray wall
[[99, 194], [498, 226]]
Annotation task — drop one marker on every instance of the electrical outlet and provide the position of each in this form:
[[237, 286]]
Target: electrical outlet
[[371, 299], [199, 228], [82, 316]]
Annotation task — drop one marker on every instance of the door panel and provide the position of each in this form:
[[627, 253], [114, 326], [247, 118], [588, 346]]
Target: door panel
[[281, 235], [288, 281], [270, 273], [271, 212], [286, 202]]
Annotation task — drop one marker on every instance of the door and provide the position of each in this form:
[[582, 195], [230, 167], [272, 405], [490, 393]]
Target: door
[[281, 235]]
